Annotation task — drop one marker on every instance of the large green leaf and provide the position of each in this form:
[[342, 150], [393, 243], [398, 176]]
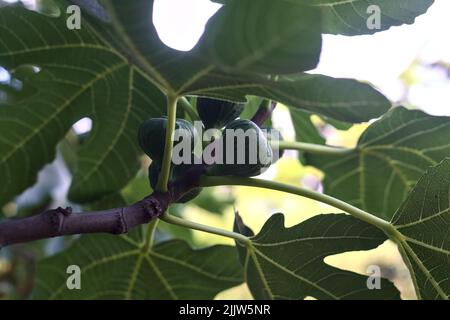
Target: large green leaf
[[342, 99], [391, 156], [423, 224], [274, 43], [284, 39], [80, 77], [264, 36], [287, 263], [106, 71], [126, 267], [349, 17]]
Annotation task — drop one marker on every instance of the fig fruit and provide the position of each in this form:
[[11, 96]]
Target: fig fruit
[[246, 151], [152, 136], [217, 113]]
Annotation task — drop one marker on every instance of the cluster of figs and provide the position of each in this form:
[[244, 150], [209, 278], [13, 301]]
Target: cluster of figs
[[217, 114]]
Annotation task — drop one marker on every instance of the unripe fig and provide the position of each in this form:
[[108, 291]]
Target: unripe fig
[[246, 151], [273, 136], [178, 172], [153, 174], [152, 136], [218, 113]]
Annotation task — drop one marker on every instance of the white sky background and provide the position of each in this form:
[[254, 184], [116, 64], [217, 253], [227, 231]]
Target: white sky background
[[379, 59]]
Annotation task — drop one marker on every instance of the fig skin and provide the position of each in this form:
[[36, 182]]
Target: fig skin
[[218, 113], [246, 169], [152, 136]]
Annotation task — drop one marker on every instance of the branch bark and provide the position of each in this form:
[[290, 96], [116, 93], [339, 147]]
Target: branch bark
[[61, 222]]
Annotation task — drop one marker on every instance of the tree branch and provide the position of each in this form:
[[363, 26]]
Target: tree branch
[[61, 222]]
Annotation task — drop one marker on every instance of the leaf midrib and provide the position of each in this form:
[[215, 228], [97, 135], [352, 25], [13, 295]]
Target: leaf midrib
[[293, 274]]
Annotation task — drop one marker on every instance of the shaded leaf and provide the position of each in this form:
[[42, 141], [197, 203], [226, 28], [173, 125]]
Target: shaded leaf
[[80, 77], [197, 73], [342, 99], [122, 268], [264, 36], [391, 156], [350, 17], [287, 263], [423, 224]]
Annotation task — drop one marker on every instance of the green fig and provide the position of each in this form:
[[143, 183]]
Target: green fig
[[152, 136], [218, 113], [246, 151]]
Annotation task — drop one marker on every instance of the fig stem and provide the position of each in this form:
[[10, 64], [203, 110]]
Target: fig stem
[[205, 228], [264, 112], [190, 110], [383, 225], [311, 148], [163, 179]]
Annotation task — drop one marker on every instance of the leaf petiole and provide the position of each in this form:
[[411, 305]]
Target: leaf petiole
[[311, 148], [200, 227], [163, 178], [388, 228]]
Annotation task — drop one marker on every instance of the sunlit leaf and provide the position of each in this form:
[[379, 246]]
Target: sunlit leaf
[[423, 223], [391, 156], [355, 17]]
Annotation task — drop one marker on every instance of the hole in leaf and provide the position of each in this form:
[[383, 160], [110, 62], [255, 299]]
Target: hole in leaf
[[181, 23], [83, 126], [386, 257], [20, 76], [14, 86], [45, 7], [5, 77]]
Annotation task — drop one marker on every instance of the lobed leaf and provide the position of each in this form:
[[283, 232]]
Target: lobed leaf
[[126, 267], [80, 77], [391, 156], [350, 17], [288, 263], [423, 224], [112, 70]]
